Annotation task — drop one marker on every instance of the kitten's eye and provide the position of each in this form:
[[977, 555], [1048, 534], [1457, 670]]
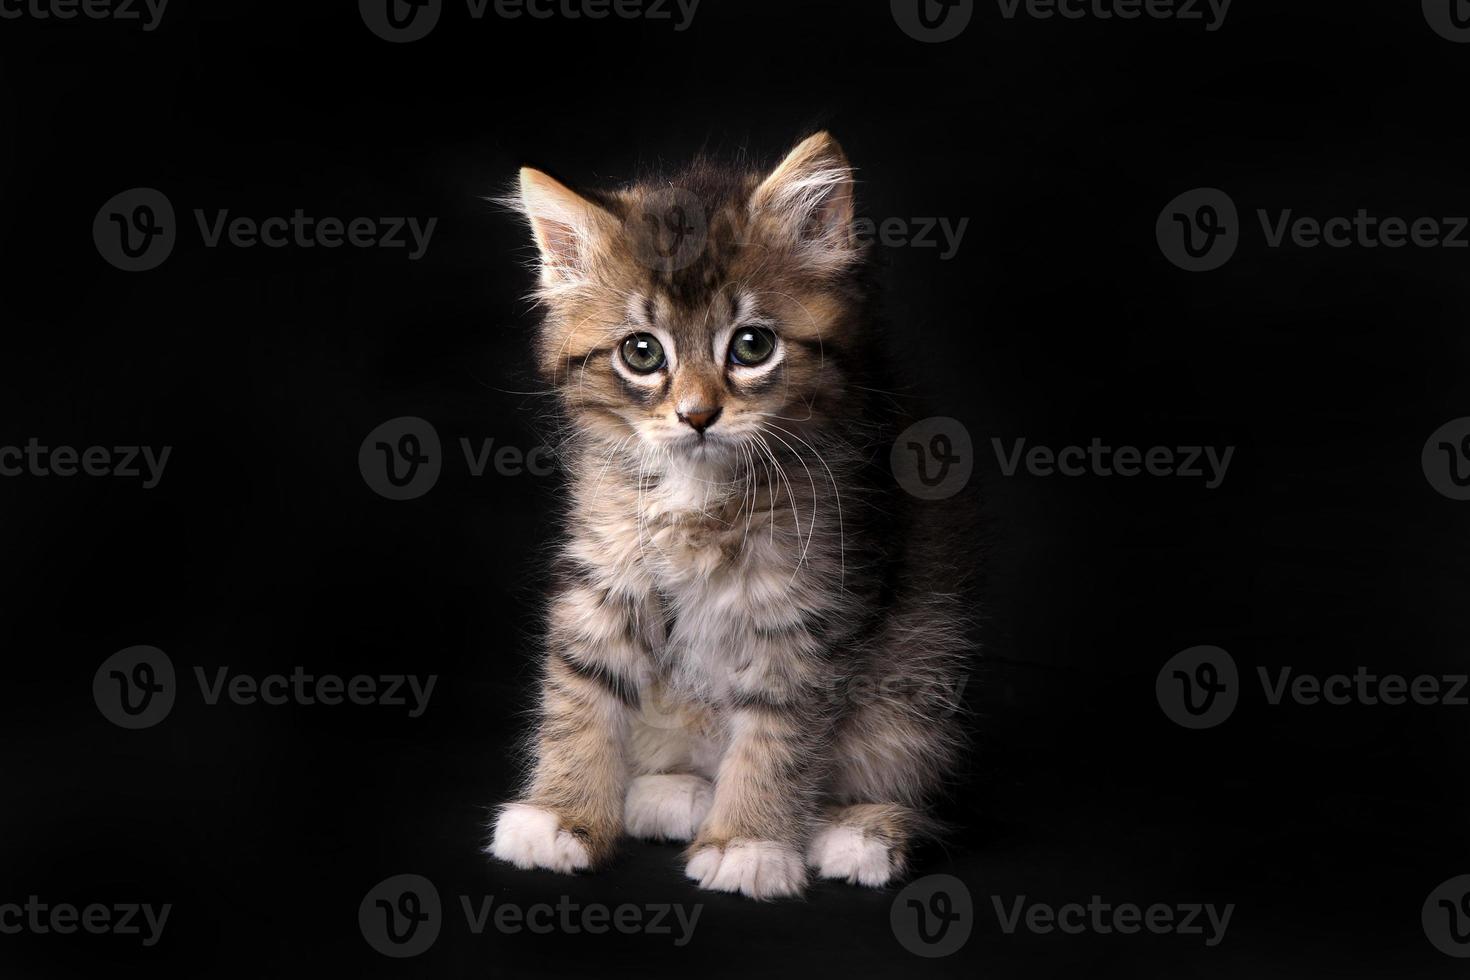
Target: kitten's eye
[[752, 346], [643, 353]]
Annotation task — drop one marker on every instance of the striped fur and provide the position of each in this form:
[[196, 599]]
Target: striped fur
[[756, 641]]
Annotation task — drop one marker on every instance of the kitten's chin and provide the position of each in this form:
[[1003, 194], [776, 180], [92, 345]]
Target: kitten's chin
[[709, 449]]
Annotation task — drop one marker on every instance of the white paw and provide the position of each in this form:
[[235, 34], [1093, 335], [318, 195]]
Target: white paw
[[848, 853], [760, 869], [530, 837], [667, 807]]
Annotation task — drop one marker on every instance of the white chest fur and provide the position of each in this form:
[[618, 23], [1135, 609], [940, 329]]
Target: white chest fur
[[725, 577]]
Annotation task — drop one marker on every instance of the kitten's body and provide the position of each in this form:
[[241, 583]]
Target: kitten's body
[[755, 642]]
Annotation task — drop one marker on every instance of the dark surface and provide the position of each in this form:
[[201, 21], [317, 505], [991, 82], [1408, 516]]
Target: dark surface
[[1058, 320]]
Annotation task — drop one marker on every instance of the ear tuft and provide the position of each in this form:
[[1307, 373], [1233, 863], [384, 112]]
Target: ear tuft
[[811, 194], [564, 224]]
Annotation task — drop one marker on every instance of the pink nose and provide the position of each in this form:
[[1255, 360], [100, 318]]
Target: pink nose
[[701, 419]]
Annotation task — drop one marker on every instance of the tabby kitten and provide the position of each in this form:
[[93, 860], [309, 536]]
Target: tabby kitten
[[755, 639]]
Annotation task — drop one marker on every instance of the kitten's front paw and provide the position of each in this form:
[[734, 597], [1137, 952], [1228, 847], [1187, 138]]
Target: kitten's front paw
[[760, 869], [667, 806], [850, 854], [530, 837]]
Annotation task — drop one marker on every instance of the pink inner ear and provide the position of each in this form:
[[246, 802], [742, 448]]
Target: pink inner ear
[[558, 243], [833, 216]]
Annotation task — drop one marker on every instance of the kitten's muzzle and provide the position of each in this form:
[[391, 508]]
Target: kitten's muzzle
[[701, 419]]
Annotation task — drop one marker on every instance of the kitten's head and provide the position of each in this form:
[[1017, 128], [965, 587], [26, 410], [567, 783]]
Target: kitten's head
[[684, 314]]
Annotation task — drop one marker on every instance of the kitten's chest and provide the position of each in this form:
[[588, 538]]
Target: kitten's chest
[[723, 577], [700, 532]]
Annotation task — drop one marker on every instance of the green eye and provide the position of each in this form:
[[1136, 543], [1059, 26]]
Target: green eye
[[643, 353], [752, 346]]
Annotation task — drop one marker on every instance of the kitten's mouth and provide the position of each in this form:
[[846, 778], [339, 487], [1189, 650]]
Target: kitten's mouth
[[703, 445]]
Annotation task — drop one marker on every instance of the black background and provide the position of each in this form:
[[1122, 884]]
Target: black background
[[1058, 320]]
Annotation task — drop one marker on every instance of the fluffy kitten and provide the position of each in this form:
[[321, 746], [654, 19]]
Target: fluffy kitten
[[755, 641]]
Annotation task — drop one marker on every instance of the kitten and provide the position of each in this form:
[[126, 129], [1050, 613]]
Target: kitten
[[756, 639]]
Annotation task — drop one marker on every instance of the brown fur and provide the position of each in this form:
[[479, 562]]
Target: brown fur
[[755, 640]]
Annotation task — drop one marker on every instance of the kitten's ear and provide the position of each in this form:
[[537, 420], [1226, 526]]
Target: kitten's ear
[[567, 227], [811, 195]]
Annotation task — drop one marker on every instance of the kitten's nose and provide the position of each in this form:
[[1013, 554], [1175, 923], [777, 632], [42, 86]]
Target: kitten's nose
[[701, 419]]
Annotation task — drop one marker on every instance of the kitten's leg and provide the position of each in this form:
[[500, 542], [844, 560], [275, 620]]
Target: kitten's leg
[[864, 844], [672, 753], [667, 806], [751, 841], [572, 813]]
